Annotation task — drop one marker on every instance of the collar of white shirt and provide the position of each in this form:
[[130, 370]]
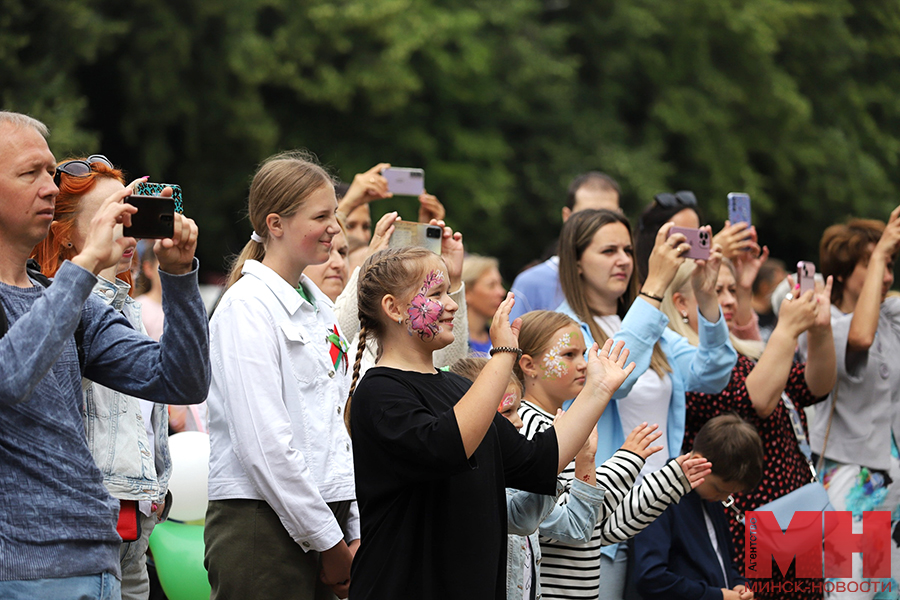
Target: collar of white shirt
[[289, 298]]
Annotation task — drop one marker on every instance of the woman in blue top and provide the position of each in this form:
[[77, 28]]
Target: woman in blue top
[[596, 267]]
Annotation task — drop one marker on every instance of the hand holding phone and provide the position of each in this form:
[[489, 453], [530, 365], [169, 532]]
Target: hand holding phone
[[404, 181], [698, 239], [408, 234]]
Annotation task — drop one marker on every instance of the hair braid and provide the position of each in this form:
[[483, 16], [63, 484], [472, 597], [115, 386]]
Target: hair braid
[[360, 349]]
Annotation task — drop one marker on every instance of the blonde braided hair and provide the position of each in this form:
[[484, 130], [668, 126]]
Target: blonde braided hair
[[396, 271]]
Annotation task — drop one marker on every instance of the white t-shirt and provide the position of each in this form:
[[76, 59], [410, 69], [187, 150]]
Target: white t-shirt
[[648, 401]]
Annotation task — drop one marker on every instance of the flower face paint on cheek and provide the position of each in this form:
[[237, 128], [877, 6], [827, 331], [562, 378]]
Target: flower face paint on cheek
[[424, 312], [553, 365]]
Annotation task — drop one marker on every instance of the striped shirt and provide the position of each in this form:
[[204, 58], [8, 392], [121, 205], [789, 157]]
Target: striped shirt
[[573, 571]]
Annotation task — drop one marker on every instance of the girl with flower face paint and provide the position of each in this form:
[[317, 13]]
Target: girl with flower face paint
[[419, 434], [553, 369]]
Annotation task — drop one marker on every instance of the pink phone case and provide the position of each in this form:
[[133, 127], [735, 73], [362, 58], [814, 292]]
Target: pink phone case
[[806, 276], [700, 241]]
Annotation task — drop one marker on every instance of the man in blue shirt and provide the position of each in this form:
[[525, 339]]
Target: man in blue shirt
[[538, 288], [58, 534]]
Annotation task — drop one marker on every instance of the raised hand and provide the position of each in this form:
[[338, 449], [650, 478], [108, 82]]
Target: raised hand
[[381, 236], [666, 257], [640, 438], [823, 304], [606, 369], [890, 238], [104, 244], [735, 239], [176, 254], [796, 315], [703, 281], [748, 264], [365, 188], [453, 253], [430, 208], [695, 469], [503, 333]]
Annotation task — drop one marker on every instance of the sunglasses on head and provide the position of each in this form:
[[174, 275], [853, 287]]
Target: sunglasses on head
[[79, 168], [682, 198]]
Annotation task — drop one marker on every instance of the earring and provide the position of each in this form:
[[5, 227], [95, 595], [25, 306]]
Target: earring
[[68, 244], [400, 321], [684, 318]]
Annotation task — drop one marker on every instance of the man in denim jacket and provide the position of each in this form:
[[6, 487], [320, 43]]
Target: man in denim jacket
[[57, 521]]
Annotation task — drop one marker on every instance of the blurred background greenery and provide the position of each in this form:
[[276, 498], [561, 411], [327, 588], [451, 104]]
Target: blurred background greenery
[[501, 102]]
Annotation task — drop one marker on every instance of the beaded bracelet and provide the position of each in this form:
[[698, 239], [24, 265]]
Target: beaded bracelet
[[516, 351]]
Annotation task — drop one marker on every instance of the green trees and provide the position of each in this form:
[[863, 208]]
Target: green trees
[[501, 103]]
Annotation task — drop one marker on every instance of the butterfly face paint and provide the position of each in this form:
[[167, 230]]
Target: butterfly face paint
[[553, 365], [424, 312]]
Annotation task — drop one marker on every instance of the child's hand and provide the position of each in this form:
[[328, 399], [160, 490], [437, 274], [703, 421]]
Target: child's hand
[[638, 441], [744, 592], [606, 370], [559, 413], [695, 469], [504, 333]]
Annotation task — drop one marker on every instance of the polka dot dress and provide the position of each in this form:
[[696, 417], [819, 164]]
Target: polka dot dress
[[785, 469]]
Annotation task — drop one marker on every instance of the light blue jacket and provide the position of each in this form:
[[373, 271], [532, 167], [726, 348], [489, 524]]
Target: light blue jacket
[[529, 514], [705, 369], [114, 426], [537, 288]]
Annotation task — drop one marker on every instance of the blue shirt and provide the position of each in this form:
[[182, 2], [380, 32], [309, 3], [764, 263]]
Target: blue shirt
[[56, 517], [537, 288]]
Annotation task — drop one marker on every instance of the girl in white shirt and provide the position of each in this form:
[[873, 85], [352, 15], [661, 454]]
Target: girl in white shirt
[[282, 519]]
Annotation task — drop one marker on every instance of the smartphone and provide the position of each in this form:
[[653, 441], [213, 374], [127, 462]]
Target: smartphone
[[806, 276], [405, 182], [739, 208], [408, 234], [155, 218], [699, 239], [155, 189]]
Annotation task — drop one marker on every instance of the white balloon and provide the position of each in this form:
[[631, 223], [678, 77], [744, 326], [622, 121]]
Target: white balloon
[[190, 472]]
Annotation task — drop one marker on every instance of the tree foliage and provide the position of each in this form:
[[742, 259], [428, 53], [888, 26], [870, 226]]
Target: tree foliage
[[500, 102]]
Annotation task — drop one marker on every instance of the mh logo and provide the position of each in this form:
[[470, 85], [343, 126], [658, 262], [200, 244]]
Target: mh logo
[[804, 539]]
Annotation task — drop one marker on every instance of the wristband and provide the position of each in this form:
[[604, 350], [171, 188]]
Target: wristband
[[651, 296], [516, 351]]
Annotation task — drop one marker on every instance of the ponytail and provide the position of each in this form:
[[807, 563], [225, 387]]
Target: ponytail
[[360, 349], [252, 251]]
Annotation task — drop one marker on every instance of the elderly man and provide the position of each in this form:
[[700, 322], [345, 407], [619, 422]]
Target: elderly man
[[57, 521]]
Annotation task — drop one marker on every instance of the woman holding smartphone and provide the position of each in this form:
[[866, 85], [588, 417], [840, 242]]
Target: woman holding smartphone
[[598, 279]]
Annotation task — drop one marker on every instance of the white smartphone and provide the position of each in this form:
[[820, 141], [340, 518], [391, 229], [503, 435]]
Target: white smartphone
[[407, 234], [403, 181]]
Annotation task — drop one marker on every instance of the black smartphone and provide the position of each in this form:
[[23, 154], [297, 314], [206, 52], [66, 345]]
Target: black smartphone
[[155, 218]]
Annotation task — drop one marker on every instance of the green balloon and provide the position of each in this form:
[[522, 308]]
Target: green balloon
[[178, 554]]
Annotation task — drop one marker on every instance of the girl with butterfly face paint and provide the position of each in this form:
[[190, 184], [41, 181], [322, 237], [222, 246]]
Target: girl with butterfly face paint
[[432, 453]]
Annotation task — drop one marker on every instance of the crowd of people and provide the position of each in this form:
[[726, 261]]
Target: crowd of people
[[389, 422]]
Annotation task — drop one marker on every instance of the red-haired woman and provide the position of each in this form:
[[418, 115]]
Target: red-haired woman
[[128, 437]]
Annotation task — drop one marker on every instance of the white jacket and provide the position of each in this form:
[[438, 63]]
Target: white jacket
[[276, 406]]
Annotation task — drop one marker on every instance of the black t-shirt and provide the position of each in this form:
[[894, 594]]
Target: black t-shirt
[[433, 523]]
